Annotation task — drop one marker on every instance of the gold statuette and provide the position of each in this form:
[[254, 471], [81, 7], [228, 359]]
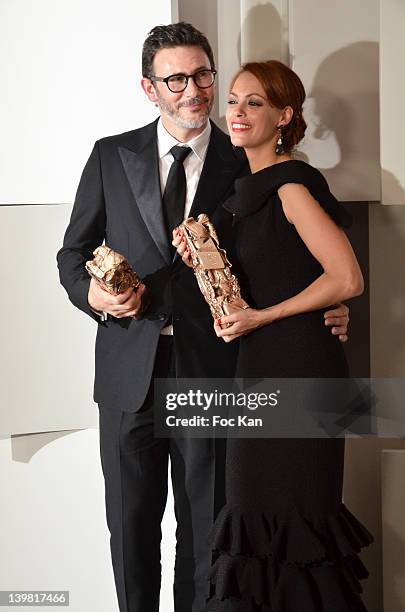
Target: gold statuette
[[218, 285], [112, 271]]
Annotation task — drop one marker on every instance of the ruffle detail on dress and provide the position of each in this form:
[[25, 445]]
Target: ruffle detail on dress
[[269, 563], [249, 583], [292, 538]]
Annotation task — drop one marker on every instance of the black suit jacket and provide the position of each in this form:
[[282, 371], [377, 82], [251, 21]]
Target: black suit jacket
[[119, 200]]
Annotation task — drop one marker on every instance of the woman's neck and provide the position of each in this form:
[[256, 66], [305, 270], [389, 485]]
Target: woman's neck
[[263, 157]]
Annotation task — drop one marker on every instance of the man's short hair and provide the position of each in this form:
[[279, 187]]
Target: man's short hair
[[180, 34]]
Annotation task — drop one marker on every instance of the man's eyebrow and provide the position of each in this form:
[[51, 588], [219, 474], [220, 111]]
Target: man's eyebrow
[[196, 70], [202, 68]]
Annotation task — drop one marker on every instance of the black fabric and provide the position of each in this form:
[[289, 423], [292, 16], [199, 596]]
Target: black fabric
[[135, 465], [284, 540], [174, 197], [252, 192]]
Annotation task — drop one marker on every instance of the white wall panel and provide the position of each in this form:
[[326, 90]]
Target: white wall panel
[[47, 345], [392, 96], [334, 49], [54, 531], [70, 74]]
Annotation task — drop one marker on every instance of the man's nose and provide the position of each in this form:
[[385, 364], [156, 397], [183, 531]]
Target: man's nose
[[192, 89]]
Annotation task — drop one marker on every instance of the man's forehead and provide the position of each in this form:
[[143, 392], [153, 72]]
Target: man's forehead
[[180, 59]]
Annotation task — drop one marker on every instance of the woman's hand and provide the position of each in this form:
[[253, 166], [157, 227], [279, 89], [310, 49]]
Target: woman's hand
[[179, 241], [241, 323]]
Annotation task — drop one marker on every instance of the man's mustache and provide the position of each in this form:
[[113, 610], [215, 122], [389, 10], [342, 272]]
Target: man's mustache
[[192, 101]]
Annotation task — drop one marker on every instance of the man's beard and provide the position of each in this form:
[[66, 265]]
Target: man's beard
[[174, 113]]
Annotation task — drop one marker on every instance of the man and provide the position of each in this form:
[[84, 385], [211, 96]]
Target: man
[[127, 196]]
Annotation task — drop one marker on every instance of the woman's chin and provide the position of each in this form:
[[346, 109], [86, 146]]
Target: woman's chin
[[239, 141]]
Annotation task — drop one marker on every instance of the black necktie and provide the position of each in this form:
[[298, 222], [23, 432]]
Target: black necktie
[[174, 197]]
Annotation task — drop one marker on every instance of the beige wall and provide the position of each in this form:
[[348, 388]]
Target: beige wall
[[387, 290], [393, 528]]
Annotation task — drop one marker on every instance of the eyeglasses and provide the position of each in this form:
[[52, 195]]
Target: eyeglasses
[[178, 82]]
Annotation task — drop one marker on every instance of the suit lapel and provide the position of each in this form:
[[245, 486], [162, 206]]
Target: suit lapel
[[142, 169]]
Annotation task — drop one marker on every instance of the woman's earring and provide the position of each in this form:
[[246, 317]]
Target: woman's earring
[[279, 150]]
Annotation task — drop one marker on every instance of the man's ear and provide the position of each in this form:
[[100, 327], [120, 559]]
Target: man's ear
[[149, 89]]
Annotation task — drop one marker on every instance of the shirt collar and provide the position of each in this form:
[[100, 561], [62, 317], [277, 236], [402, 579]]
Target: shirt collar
[[198, 145]]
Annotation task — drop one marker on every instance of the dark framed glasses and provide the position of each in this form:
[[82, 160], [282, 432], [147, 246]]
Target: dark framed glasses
[[178, 82]]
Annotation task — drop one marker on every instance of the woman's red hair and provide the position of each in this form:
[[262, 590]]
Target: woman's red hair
[[283, 88]]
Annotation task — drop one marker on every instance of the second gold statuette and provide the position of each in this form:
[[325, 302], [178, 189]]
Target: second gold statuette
[[218, 285]]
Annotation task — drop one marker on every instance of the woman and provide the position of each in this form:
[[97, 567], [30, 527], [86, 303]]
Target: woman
[[285, 541]]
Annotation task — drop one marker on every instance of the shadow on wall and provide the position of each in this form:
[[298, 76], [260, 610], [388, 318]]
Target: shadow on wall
[[262, 36], [345, 101]]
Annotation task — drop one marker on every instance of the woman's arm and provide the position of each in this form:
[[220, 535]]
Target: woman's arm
[[340, 280], [342, 277]]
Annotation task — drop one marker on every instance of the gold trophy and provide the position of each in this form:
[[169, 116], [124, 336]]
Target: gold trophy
[[218, 285], [112, 271]]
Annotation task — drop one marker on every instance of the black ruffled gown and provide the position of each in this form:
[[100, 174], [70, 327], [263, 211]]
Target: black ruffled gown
[[285, 541]]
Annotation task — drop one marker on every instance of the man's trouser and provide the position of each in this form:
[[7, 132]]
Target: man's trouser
[[135, 466]]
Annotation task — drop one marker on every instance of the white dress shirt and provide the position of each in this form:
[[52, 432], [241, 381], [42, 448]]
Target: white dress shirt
[[193, 165]]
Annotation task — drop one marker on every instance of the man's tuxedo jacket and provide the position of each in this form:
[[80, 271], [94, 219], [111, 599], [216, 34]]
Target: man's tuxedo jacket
[[119, 201]]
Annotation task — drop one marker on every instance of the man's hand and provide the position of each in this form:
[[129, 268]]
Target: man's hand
[[127, 304], [339, 319]]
